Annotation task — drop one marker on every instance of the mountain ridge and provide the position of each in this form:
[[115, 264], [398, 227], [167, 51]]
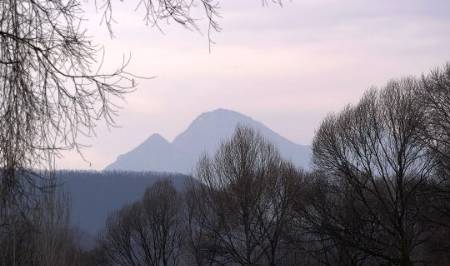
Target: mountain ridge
[[203, 135]]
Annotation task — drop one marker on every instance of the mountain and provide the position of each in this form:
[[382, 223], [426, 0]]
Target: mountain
[[204, 134]]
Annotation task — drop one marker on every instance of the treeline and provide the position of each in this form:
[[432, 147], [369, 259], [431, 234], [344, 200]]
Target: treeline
[[51, 218], [379, 194]]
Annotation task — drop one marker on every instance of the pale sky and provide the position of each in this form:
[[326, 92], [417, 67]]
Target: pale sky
[[286, 67]]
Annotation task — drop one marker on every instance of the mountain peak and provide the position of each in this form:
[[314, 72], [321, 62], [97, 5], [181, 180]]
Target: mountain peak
[[156, 138], [220, 119], [223, 113]]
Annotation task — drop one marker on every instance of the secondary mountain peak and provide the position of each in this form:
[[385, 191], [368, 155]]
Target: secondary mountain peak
[[157, 138]]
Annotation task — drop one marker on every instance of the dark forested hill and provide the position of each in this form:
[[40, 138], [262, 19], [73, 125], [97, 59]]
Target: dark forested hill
[[95, 194]]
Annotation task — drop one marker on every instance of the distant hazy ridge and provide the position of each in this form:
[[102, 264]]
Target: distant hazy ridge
[[204, 134]]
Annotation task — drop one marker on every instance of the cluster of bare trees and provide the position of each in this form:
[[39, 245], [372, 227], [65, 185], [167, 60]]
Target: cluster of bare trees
[[379, 191], [376, 167], [379, 194], [237, 212], [40, 234]]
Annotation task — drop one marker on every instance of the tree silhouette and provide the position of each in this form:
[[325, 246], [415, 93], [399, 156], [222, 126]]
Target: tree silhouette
[[377, 165]]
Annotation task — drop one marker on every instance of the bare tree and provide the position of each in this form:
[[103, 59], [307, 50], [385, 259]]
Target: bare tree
[[54, 241], [117, 241], [323, 213], [377, 165], [435, 98], [199, 245], [163, 222], [149, 232], [244, 198], [40, 234], [52, 85]]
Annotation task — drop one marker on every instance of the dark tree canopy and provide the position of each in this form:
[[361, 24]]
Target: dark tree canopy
[[378, 164], [148, 232], [435, 96], [245, 200]]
